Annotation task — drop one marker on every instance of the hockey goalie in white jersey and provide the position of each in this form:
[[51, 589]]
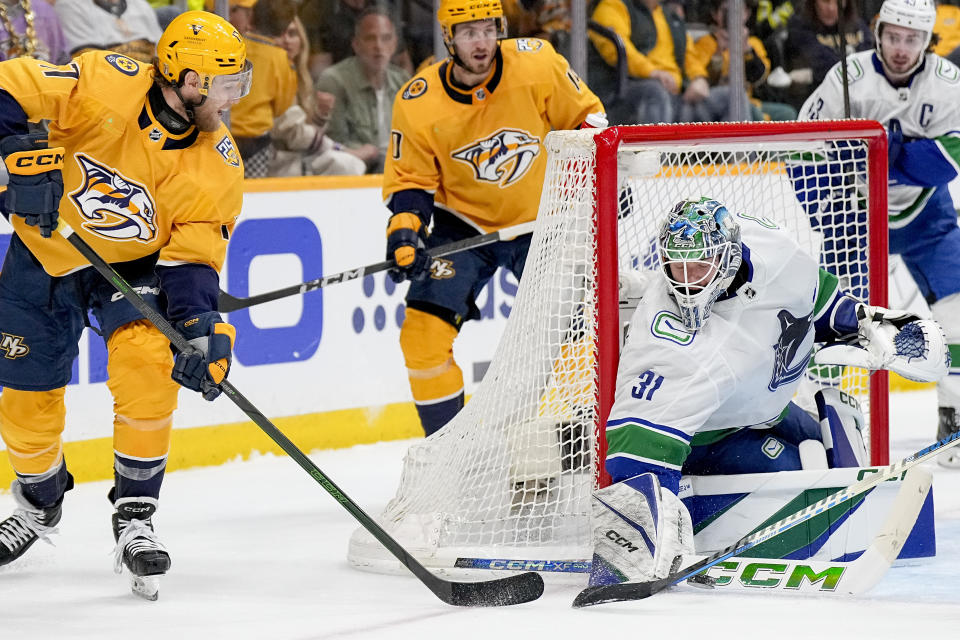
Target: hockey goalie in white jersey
[[717, 348], [915, 94]]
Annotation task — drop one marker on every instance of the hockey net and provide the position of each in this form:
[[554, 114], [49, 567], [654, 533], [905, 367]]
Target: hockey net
[[510, 478]]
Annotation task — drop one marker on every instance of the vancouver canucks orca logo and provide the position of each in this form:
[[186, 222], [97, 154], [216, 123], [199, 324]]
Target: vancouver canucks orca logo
[[789, 364], [504, 157], [112, 206]]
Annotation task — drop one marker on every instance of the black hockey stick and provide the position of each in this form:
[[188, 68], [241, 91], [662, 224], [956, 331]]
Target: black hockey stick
[[504, 591], [228, 303], [639, 590]]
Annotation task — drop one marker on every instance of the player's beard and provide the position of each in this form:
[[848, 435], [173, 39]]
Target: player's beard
[[206, 116]]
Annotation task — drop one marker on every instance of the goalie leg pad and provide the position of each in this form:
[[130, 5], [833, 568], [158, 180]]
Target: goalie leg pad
[[640, 530], [841, 424]]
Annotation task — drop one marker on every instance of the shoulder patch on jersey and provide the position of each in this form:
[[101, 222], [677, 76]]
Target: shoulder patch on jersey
[[668, 326], [416, 88], [529, 44], [503, 157], [228, 152], [763, 221], [112, 206], [123, 64], [947, 71], [854, 71]]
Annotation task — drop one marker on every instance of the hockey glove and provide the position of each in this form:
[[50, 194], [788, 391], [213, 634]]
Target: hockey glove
[[36, 180], [896, 340], [204, 368], [406, 237]]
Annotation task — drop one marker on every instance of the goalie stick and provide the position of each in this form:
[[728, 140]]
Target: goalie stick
[[504, 591], [639, 590], [228, 303], [781, 575]]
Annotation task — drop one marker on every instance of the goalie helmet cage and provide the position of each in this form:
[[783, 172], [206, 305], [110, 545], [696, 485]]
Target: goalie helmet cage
[[510, 477]]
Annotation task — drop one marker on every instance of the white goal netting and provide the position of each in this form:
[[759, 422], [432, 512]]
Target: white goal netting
[[510, 477]]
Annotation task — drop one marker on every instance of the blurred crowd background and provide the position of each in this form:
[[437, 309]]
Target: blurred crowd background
[[326, 71]]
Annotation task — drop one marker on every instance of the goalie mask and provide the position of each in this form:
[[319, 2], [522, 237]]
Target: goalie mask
[[901, 52], [700, 253]]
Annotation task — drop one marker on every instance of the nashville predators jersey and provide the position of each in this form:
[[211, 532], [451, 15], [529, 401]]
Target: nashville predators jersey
[[480, 152], [131, 188]]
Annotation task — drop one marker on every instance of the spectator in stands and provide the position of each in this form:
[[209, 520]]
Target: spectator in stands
[[331, 24], [712, 51], [665, 83], [129, 27], [545, 19], [167, 10], [30, 28], [364, 86], [241, 13], [273, 89], [947, 28], [813, 43], [298, 134]]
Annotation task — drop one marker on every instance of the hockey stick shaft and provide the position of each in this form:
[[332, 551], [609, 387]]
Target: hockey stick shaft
[[505, 591], [640, 590], [228, 303]]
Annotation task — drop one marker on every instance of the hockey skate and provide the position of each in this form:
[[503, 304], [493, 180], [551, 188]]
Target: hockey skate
[[949, 423], [27, 524], [138, 548]]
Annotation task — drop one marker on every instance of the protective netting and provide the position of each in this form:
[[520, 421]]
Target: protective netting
[[511, 475]]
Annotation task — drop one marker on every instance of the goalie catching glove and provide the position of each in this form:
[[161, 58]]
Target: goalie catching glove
[[36, 180], [900, 341], [406, 246], [204, 368]]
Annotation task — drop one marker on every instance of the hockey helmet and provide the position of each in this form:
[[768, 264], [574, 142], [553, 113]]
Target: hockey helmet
[[920, 15], [700, 253], [454, 12], [209, 45]]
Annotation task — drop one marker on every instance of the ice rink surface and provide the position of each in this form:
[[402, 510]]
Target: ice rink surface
[[259, 551]]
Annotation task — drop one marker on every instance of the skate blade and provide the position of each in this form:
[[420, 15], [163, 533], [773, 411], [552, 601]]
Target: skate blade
[[147, 587]]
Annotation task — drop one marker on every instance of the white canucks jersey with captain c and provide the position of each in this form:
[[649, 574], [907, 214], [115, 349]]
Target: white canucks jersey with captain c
[[928, 108], [742, 367]]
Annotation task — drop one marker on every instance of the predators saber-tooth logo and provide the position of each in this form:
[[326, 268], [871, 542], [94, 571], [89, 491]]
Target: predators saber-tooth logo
[[112, 206], [504, 157], [13, 346]]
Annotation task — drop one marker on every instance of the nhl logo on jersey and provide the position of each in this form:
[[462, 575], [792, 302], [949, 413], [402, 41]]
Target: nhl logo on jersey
[[228, 152], [112, 206], [504, 157], [155, 134], [123, 64], [415, 89]]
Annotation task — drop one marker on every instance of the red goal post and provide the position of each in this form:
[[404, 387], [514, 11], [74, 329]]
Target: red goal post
[[608, 144]]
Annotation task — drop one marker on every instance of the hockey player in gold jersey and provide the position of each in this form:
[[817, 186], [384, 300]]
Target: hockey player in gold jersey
[[140, 165], [466, 155]]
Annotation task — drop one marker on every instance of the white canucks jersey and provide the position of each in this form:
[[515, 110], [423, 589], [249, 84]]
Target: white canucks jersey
[[740, 369], [928, 108]]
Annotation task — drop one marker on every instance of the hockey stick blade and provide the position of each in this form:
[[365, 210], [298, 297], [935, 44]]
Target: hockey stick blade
[[640, 590], [506, 591], [227, 303]]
